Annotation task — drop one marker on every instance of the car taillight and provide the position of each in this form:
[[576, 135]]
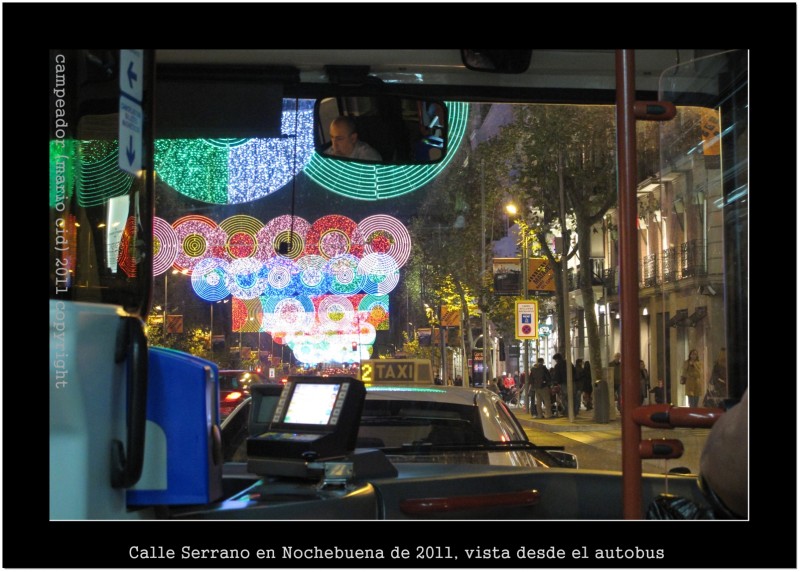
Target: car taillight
[[233, 396]]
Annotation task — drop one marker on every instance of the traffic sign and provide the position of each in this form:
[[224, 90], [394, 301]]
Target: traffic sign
[[130, 73], [527, 317], [131, 117]]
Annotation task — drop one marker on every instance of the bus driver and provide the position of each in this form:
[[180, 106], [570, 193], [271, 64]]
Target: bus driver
[[345, 142]]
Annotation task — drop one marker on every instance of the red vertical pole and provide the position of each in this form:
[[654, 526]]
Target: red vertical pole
[[629, 285]]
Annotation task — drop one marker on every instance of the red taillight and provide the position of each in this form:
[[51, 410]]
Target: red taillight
[[284, 380], [233, 396]]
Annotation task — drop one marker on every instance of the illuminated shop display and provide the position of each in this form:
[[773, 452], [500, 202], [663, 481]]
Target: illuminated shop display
[[326, 295]]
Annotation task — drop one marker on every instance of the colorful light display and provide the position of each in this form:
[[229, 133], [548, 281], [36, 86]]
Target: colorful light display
[[236, 171], [328, 292]]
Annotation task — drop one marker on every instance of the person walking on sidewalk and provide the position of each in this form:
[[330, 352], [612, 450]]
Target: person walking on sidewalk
[[577, 383], [560, 383], [644, 382], [584, 384], [616, 363], [540, 380], [692, 378]]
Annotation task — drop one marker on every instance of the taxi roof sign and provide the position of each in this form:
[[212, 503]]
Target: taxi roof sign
[[397, 371]]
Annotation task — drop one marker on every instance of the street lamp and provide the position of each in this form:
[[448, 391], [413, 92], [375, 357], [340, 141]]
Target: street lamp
[[512, 210]]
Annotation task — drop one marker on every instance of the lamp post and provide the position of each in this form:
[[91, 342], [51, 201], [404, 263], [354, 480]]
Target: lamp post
[[511, 210]]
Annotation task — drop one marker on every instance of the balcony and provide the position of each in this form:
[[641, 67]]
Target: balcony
[[669, 264], [673, 264], [693, 259], [650, 271]]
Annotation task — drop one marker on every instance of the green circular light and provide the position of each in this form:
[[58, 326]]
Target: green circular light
[[374, 182]]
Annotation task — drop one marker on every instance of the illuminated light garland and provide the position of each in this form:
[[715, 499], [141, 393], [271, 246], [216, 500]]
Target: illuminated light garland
[[246, 278], [293, 314], [193, 168], [334, 235], [126, 255], [343, 276], [208, 279], [312, 274], [241, 231], [282, 277], [165, 246], [384, 234], [289, 298], [227, 143], [375, 182], [282, 228], [235, 171], [381, 272], [246, 315], [376, 309], [99, 177], [335, 311], [194, 233]]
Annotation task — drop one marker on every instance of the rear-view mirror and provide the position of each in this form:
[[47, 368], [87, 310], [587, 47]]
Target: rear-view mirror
[[497, 61], [383, 129]]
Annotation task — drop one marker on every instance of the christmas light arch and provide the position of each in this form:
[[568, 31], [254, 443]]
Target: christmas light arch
[[317, 305]]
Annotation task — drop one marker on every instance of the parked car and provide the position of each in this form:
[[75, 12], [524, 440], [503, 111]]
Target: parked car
[[234, 388]]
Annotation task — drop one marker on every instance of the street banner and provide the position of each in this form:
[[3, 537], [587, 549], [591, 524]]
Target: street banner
[[527, 319], [507, 280]]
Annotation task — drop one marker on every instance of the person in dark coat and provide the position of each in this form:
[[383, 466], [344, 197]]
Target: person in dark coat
[[587, 384]]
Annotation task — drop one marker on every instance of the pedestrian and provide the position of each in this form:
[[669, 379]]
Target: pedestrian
[[559, 381], [658, 392], [530, 399], [692, 378], [717, 387], [540, 379], [587, 384], [616, 363], [577, 383], [644, 381]]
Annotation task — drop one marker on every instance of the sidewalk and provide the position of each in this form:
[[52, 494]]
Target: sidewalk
[[598, 445], [584, 421]]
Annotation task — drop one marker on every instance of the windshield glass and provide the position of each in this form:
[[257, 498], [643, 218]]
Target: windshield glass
[[393, 424], [277, 257]]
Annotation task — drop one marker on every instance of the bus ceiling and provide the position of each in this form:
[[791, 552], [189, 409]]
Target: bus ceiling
[[558, 76]]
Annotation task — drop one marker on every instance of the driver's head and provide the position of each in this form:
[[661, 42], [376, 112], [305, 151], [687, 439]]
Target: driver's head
[[343, 136]]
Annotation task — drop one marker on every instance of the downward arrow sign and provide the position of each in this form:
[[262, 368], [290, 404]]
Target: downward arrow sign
[[130, 151]]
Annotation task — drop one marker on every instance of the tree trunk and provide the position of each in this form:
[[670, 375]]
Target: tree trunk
[[587, 294]]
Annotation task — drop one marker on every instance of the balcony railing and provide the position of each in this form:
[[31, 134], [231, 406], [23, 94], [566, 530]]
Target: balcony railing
[[669, 264], [674, 264], [649, 271], [693, 259]]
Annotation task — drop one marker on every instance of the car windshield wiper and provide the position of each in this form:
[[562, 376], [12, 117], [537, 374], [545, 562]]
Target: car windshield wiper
[[416, 446]]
